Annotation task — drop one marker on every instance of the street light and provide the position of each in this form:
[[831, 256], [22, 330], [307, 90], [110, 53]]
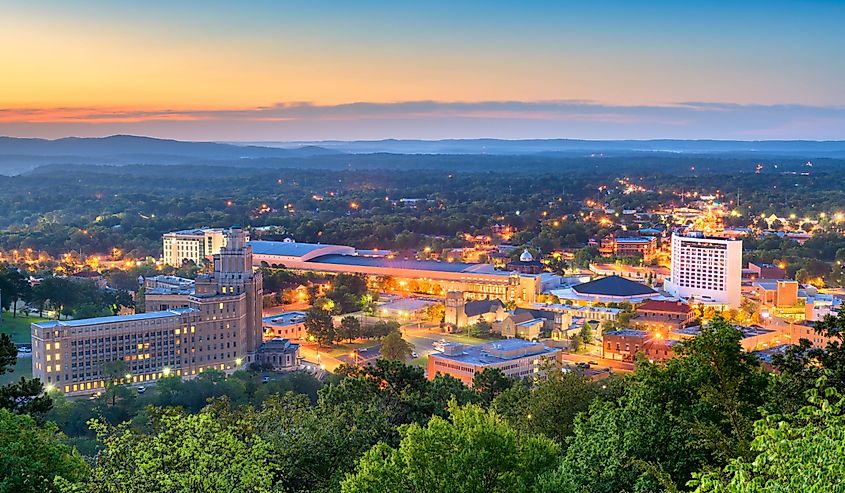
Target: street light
[[166, 371], [238, 361], [128, 377]]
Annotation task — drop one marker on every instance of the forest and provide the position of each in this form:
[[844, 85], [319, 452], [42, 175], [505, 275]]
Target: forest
[[714, 419]]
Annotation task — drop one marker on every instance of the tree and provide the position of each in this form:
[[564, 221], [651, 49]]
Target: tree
[[697, 409], [489, 383], [481, 329], [182, 452], [474, 451], [793, 454], [395, 348], [550, 406], [14, 287], [350, 328], [114, 372], [32, 456], [319, 325], [26, 396]]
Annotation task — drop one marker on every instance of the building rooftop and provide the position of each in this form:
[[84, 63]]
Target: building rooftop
[[635, 239], [175, 312], [747, 331], [474, 308], [627, 333], [497, 352], [278, 344], [665, 306], [285, 318], [407, 305], [408, 264], [196, 231], [289, 248], [613, 286]]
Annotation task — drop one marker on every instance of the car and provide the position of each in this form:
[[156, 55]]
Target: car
[[414, 355], [265, 379], [142, 389], [591, 362]]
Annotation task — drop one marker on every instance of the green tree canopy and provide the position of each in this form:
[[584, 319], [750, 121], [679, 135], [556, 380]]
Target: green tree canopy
[[33, 455], [474, 451]]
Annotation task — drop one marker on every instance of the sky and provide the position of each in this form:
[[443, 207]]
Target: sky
[[315, 70]]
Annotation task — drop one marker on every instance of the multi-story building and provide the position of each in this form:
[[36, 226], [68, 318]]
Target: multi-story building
[[192, 244], [220, 328], [662, 315], [516, 358], [629, 246], [706, 270]]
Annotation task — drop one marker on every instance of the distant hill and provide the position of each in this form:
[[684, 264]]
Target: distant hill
[[18, 154], [570, 146], [123, 145]]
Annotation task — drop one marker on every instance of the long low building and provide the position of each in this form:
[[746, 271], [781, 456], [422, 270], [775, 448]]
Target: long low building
[[516, 358], [476, 281]]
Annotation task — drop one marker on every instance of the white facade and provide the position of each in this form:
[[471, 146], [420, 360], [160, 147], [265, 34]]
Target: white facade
[[706, 270], [192, 244]]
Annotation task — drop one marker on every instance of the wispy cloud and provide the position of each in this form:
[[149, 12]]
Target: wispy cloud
[[438, 119]]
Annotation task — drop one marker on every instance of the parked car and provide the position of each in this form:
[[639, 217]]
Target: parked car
[[142, 389]]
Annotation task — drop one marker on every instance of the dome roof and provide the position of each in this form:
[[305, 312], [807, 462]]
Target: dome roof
[[526, 256]]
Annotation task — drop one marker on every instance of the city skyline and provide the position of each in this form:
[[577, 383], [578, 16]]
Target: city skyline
[[330, 70]]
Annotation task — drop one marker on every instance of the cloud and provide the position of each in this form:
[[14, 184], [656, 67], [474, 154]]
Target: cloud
[[438, 119]]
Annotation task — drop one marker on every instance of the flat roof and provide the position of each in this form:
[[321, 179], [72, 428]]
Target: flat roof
[[284, 318], [407, 305], [408, 264], [287, 248], [113, 319], [486, 354]]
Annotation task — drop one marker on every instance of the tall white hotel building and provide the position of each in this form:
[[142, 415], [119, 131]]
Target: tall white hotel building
[[706, 270]]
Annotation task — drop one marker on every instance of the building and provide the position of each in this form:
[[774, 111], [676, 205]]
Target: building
[[526, 264], [166, 292], [659, 349], [760, 270], [476, 281], [754, 337], [525, 323], [623, 344], [706, 270], [610, 289], [287, 325], [192, 244], [776, 293], [662, 315], [821, 305], [644, 247], [405, 308], [636, 273], [279, 354], [219, 329], [516, 358], [463, 313]]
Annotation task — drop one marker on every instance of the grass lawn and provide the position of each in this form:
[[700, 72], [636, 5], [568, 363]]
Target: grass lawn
[[466, 339], [422, 361], [22, 369], [18, 327]]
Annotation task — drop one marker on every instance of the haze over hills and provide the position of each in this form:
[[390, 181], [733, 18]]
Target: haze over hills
[[19, 155], [538, 146]]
